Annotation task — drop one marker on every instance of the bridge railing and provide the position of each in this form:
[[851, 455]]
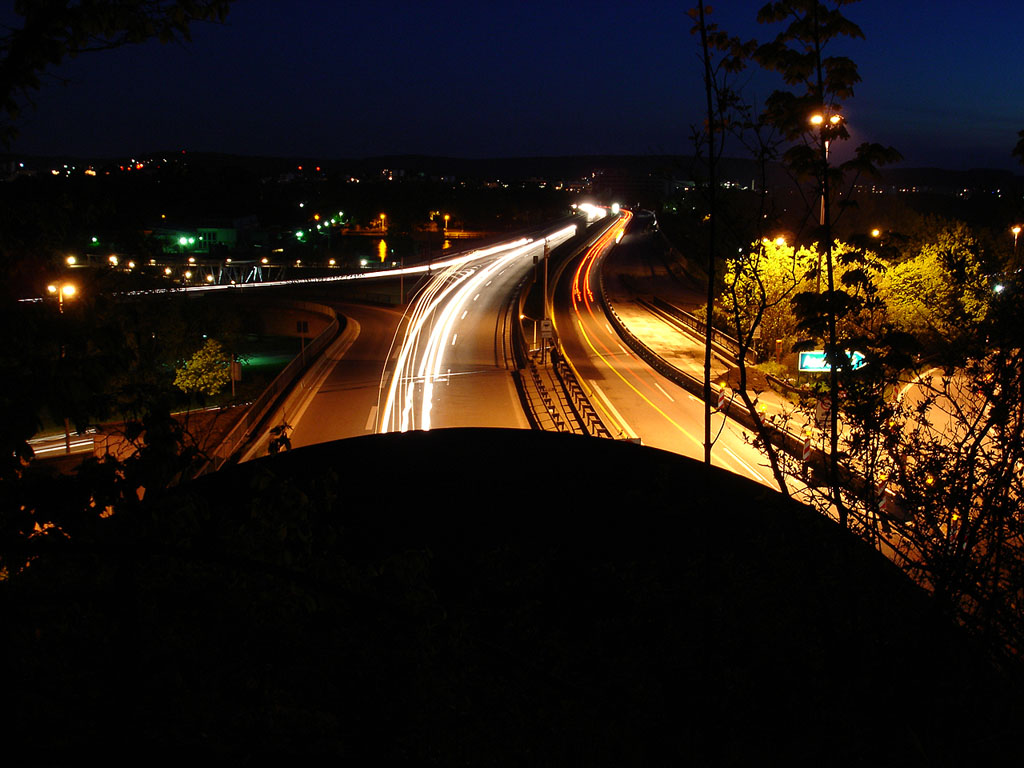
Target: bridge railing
[[259, 407]]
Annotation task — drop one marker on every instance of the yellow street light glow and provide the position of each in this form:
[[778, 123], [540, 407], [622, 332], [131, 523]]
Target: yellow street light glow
[[167, 270], [112, 259], [65, 289], [71, 261], [780, 241], [209, 278], [876, 232], [817, 119]]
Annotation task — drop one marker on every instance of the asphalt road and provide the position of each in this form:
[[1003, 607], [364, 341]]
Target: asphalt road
[[633, 399], [345, 405], [449, 366]]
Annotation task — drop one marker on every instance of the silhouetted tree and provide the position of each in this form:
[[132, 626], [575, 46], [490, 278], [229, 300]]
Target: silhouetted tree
[[811, 118], [54, 30]]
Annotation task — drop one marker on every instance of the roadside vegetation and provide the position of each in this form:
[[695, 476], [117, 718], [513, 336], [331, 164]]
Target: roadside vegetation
[[921, 446]]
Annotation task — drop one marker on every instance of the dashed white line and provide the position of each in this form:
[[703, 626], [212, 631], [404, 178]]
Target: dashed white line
[[666, 394]]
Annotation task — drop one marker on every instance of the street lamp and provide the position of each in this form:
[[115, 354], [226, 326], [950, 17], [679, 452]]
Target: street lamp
[[824, 127], [1016, 231], [61, 290], [383, 219]]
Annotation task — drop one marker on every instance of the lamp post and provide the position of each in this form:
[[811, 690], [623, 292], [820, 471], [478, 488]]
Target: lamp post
[[62, 290], [818, 120], [826, 129]]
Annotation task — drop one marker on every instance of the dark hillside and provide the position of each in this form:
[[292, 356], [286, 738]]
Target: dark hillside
[[488, 597]]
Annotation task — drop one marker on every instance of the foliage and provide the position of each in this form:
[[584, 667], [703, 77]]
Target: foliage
[[279, 438], [759, 287], [54, 30], [207, 372], [942, 290], [722, 55], [959, 475], [1018, 150], [810, 118]]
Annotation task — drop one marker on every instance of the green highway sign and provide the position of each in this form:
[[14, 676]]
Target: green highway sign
[[814, 361]]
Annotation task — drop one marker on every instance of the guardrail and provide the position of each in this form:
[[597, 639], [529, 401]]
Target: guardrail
[[718, 338], [791, 443], [259, 407], [581, 405]]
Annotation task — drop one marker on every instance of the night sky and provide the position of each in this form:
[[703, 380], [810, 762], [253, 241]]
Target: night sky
[[942, 82]]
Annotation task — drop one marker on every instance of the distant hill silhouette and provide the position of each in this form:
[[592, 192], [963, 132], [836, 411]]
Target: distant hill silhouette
[[561, 168]]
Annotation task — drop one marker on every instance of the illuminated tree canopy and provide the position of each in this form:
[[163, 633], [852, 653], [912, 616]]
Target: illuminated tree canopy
[[207, 372]]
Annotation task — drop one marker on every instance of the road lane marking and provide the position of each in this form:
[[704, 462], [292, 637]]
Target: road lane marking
[[750, 470], [371, 420], [464, 315], [640, 394], [666, 394], [615, 414]]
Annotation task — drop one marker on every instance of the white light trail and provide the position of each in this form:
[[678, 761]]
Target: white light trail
[[430, 334]]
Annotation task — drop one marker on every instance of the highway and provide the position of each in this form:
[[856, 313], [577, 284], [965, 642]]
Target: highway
[[450, 362], [634, 400], [345, 402]]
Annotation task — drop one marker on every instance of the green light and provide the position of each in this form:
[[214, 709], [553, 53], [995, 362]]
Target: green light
[[182, 241]]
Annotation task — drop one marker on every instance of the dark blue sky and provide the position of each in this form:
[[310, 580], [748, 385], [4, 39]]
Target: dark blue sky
[[942, 81]]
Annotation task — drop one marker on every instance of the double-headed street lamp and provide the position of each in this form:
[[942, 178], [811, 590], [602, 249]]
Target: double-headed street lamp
[[824, 126], [61, 291]]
